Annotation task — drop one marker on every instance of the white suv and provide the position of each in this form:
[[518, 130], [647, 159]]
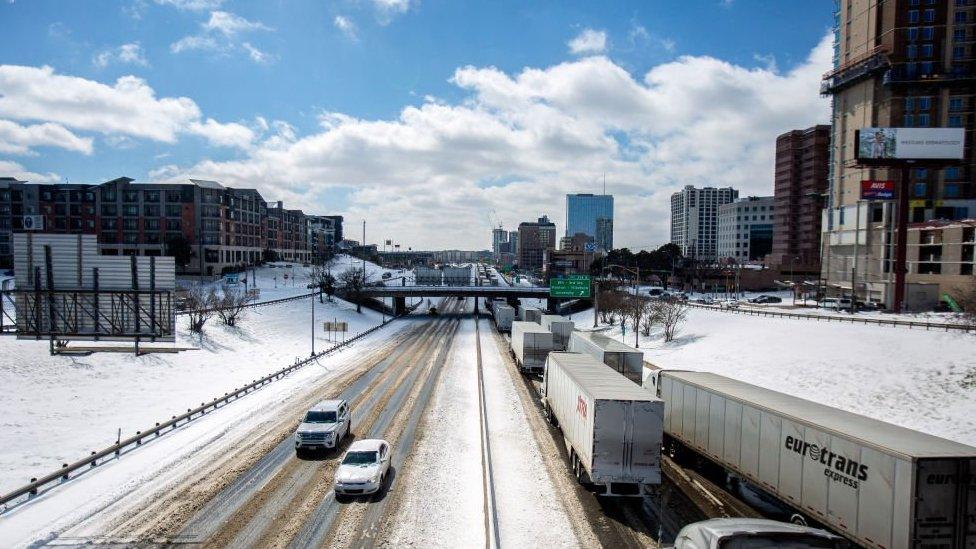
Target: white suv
[[324, 426], [363, 469]]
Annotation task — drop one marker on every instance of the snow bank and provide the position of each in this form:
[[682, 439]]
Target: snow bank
[[57, 409], [919, 379]]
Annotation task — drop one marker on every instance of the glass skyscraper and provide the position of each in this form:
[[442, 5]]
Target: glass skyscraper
[[591, 214]]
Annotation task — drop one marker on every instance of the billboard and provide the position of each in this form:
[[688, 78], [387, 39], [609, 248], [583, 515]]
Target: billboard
[[877, 190], [889, 145], [572, 286]]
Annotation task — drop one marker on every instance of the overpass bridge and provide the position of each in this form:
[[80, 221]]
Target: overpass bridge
[[509, 293]]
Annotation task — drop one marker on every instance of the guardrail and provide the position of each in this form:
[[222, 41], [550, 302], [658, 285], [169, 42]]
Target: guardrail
[[834, 318], [255, 304], [90, 462]]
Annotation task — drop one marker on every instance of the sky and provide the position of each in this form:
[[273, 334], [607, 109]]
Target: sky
[[430, 119]]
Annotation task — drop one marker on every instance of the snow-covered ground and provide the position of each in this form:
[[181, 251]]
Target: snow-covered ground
[[925, 380], [57, 408]]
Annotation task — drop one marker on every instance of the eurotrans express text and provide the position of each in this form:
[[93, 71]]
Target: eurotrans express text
[[845, 470]]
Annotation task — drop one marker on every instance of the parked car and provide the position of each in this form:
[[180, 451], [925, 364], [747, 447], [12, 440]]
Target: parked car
[[753, 533], [836, 303], [766, 299], [363, 469], [324, 426]]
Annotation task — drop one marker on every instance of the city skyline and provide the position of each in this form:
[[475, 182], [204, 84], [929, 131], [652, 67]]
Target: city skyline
[[277, 100]]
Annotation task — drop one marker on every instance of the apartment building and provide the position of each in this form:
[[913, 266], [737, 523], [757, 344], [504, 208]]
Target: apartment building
[[899, 63], [942, 252], [745, 229], [324, 233], [534, 238], [694, 220], [799, 189], [223, 227]]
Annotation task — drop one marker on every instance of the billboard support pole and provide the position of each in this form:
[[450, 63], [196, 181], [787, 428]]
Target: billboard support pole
[[901, 240]]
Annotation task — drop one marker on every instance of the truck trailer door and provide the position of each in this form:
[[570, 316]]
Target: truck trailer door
[[944, 504]]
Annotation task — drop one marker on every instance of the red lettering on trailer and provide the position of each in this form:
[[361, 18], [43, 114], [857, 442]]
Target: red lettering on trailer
[[581, 406]]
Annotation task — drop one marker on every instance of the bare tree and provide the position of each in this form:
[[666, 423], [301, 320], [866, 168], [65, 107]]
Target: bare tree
[[611, 305], [200, 304], [635, 308], [232, 305], [323, 278], [650, 318], [354, 281], [670, 313]]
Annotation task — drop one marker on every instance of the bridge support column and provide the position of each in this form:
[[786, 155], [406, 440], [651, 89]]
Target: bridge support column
[[475, 304], [552, 305], [514, 303], [399, 305]]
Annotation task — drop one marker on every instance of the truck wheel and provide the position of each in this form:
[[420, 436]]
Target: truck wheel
[[798, 519]]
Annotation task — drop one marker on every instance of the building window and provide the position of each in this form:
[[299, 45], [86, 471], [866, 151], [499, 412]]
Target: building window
[[928, 33], [952, 190], [912, 34], [952, 173], [924, 103], [919, 190], [959, 34], [130, 196], [913, 16], [956, 103], [926, 67], [929, 15], [909, 104], [921, 173], [958, 52], [911, 51], [960, 17], [955, 121], [926, 50], [909, 121], [923, 120]]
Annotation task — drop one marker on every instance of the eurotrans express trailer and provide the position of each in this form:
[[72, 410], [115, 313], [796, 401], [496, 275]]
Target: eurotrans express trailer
[[530, 345], [879, 484], [612, 428]]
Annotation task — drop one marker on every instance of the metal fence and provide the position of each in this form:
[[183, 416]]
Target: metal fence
[[948, 327], [175, 421]]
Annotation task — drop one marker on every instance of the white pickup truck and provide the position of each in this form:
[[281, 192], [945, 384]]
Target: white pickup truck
[[323, 426]]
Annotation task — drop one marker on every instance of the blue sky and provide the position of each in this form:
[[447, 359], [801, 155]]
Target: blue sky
[[315, 85]]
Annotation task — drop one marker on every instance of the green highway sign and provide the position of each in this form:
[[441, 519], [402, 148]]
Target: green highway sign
[[572, 286]]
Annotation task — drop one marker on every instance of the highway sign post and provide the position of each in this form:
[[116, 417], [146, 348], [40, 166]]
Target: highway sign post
[[571, 286]]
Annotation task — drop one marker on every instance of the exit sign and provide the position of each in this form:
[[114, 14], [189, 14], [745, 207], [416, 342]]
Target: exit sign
[[571, 286]]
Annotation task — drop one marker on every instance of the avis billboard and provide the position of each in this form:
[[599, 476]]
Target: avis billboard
[[890, 145]]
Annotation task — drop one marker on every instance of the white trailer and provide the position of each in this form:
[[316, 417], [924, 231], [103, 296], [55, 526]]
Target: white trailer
[[878, 484], [530, 345], [612, 428], [623, 358], [504, 316], [531, 314], [561, 328]]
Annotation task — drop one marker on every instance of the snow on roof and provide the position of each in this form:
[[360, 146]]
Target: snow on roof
[[943, 223], [366, 445], [885, 436], [206, 183], [599, 380]]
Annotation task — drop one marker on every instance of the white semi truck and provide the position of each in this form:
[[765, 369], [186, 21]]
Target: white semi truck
[[531, 343], [612, 427], [878, 484]]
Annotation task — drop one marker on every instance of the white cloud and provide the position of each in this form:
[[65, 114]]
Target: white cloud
[[518, 143], [9, 168], [230, 24], [192, 5], [255, 54], [347, 27], [588, 42], [128, 108], [386, 10], [17, 139], [219, 34], [130, 53], [194, 42]]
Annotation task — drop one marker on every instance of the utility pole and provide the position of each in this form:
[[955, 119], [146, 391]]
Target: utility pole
[[313, 325], [857, 239]]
